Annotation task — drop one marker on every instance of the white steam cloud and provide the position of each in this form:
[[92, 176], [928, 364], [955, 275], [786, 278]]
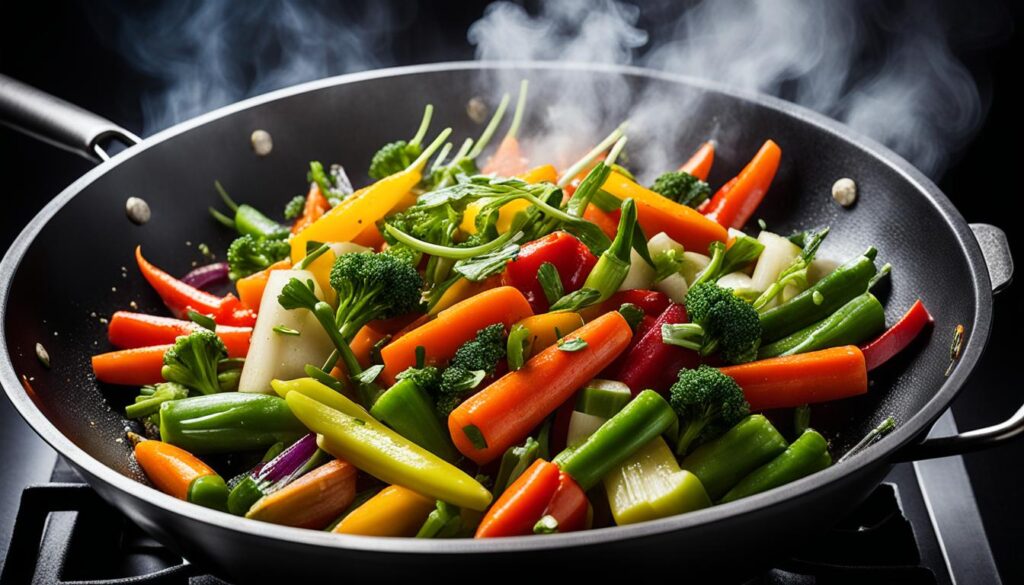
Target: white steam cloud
[[886, 69]]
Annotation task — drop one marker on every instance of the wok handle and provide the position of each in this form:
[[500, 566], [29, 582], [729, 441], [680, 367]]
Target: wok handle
[[57, 122], [996, 250]]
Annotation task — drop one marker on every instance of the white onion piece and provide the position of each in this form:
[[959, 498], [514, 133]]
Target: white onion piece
[[674, 286], [778, 254], [693, 264], [581, 426], [278, 355], [640, 274]]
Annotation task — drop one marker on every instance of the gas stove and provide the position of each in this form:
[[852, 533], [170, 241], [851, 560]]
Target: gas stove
[[920, 526]]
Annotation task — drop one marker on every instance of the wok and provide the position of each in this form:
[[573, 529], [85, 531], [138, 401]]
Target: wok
[[65, 270]]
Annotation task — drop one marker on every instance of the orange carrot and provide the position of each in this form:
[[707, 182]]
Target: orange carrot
[[131, 367], [699, 164], [604, 220], [311, 501], [370, 237], [732, 207], [546, 328], [316, 205], [462, 290], [453, 327], [250, 288], [132, 330], [659, 214], [502, 414], [171, 469], [806, 378], [507, 160], [394, 511]]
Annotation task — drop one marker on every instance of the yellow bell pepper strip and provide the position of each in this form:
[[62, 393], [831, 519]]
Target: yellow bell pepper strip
[[386, 455], [546, 328], [808, 454], [721, 464], [650, 485], [541, 174], [394, 511], [461, 290], [658, 214], [354, 214], [311, 501], [179, 473], [321, 393]]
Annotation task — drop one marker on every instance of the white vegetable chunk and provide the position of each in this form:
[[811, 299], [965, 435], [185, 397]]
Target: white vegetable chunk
[[778, 254], [279, 355], [640, 274], [820, 268], [674, 286], [693, 264], [581, 426], [737, 281]]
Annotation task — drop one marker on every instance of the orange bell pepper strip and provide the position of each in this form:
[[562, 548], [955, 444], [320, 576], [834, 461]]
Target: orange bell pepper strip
[[733, 207], [370, 237], [523, 503], [502, 414], [250, 288], [658, 214], [130, 367], [608, 223], [354, 214], [394, 511], [541, 174], [699, 164], [806, 378], [453, 327], [316, 205], [131, 330], [178, 473], [311, 501]]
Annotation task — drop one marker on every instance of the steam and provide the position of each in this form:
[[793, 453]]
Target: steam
[[886, 69]]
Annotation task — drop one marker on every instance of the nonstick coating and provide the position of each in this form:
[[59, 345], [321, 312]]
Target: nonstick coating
[[74, 266]]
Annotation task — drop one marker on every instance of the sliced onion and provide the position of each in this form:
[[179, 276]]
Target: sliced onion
[[208, 275], [288, 461]]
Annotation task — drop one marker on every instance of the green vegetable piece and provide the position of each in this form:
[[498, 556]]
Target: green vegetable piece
[[408, 409], [228, 422], [721, 464], [721, 321], [514, 462], [250, 254], [708, 404], [857, 321], [808, 454], [209, 491], [518, 348], [149, 402], [612, 267], [192, 361], [682, 187], [550, 281], [572, 345], [603, 398]]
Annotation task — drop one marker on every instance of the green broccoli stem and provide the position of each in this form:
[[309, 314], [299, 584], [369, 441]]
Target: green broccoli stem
[[714, 267], [613, 265], [421, 160], [428, 112], [149, 402], [492, 126], [577, 167], [682, 335], [324, 313], [693, 430]]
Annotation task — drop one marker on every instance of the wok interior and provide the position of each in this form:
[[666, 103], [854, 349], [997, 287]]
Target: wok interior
[[81, 266]]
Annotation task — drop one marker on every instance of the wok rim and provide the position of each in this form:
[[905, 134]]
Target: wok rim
[[878, 454]]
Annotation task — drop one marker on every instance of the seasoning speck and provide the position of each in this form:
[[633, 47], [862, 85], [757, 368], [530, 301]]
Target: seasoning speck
[[113, 289], [262, 142], [43, 355], [844, 191], [476, 109], [134, 305], [104, 320], [137, 210]]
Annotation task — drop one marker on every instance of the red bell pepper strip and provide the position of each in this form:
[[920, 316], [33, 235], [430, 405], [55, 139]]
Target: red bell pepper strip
[[130, 330], [523, 503], [568, 255], [898, 337], [733, 207], [568, 505], [652, 363], [652, 302], [180, 297], [699, 164]]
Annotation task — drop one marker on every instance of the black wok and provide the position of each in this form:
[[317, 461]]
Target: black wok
[[65, 269]]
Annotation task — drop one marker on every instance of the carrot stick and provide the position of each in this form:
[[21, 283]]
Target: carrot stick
[[453, 327], [789, 381], [659, 214], [604, 220], [311, 501], [546, 328], [522, 503], [732, 207], [502, 414], [394, 511], [699, 164], [507, 160], [132, 330], [171, 469], [131, 367], [316, 205], [250, 288]]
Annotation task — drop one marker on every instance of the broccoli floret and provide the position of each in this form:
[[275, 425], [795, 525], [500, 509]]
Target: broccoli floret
[[392, 158], [428, 378], [708, 403], [151, 397], [294, 207], [682, 187], [404, 253], [473, 361], [373, 286], [192, 361], [249, 254], [720, 321]]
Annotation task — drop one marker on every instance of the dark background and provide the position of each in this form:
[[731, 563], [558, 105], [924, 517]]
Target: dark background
[[67, 50]]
